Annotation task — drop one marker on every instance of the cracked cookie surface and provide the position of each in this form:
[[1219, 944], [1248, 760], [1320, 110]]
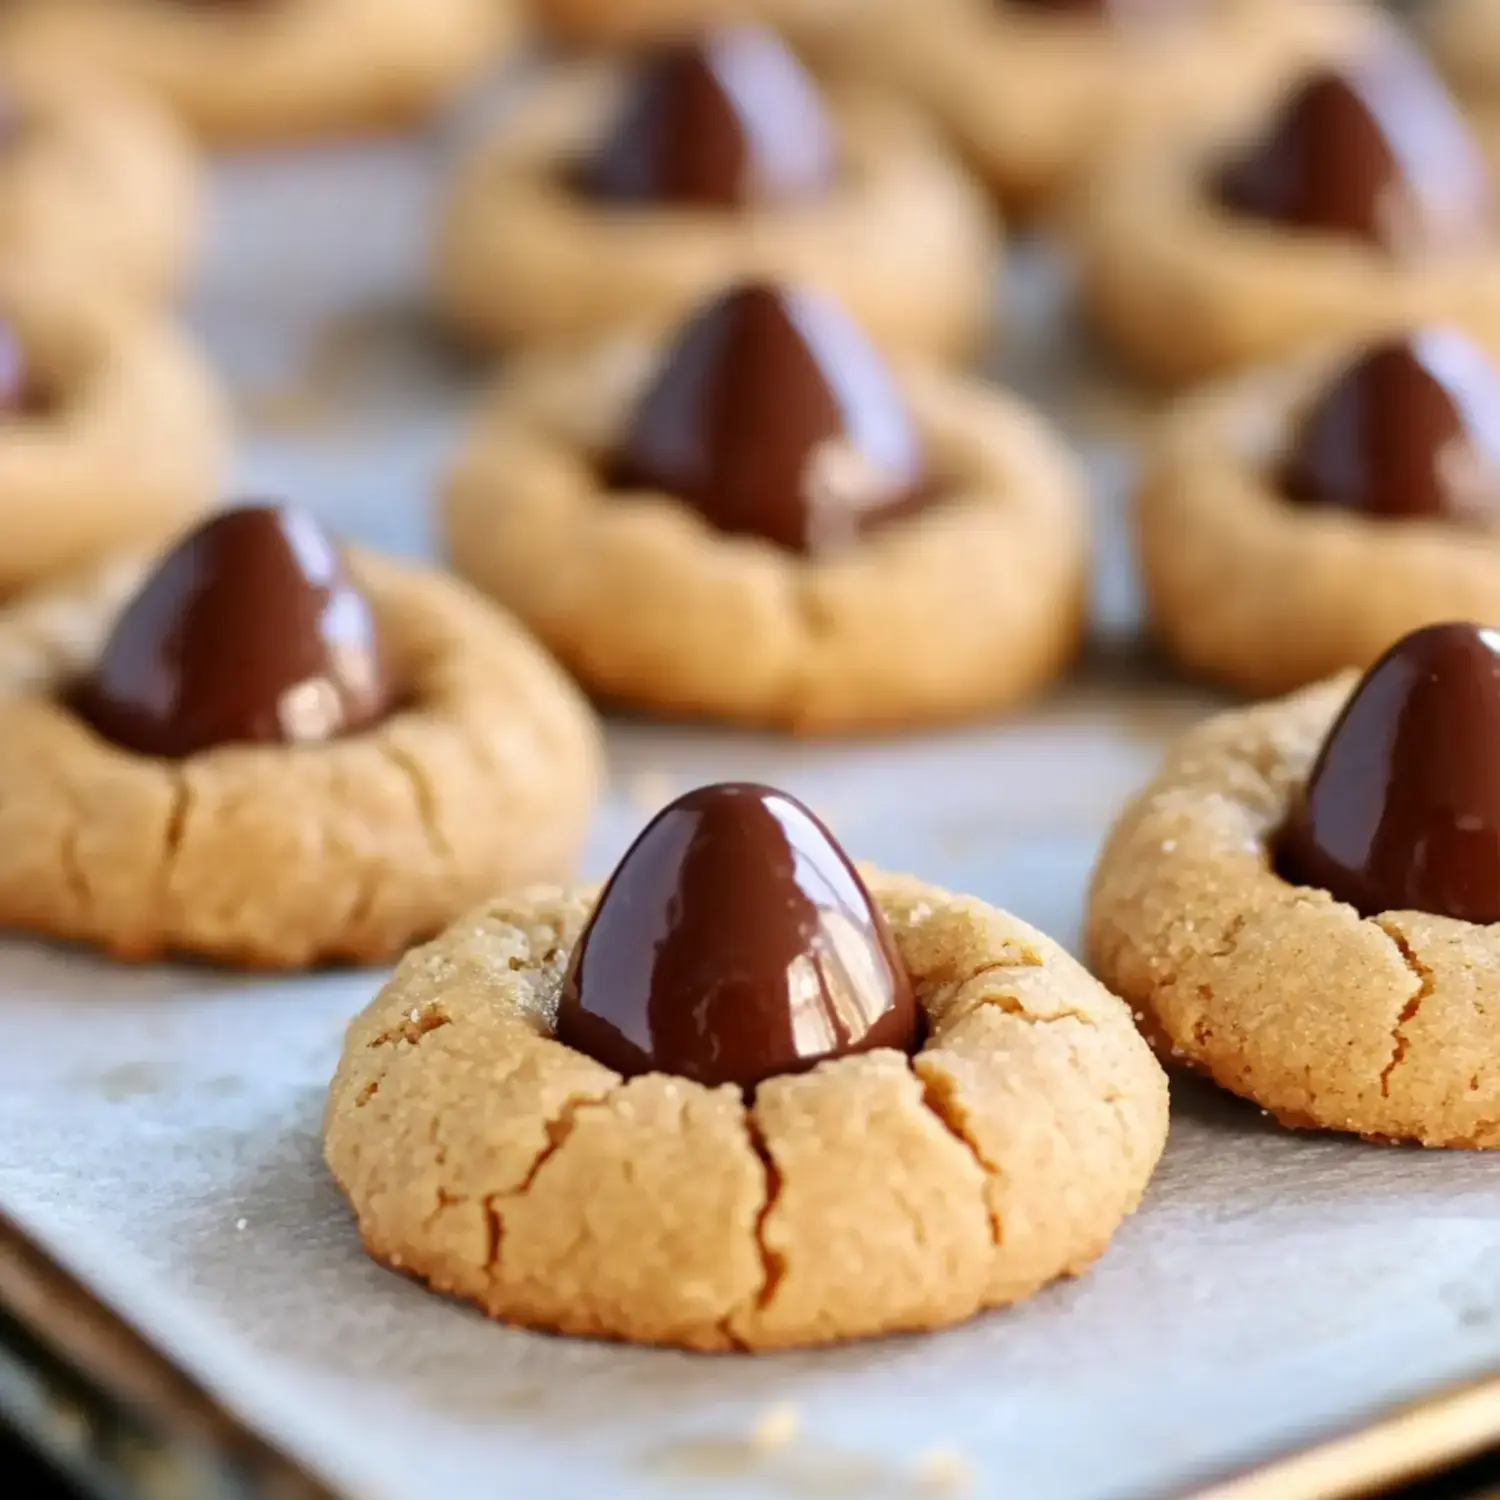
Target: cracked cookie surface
[[875, 1194], [963, 610], [286, 855], [1385, 1027]]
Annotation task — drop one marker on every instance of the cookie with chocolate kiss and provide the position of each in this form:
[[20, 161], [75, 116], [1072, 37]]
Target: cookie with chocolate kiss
[[1305, 902], [746, 1097], [761, 520], [1357, 207], [264, 749], [621, 194], [1297, 522]]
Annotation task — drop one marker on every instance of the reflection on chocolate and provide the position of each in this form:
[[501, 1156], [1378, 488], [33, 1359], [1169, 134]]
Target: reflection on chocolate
[[724, 122], [1411, 428], [1375, 151], [1402, 810], [733, 943], [249, 630], [774, 417]]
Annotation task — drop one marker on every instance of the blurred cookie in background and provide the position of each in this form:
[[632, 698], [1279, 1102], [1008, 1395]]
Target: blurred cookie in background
[[1296, 521], [246, 71], [98, 187], [621, 194], [1464, 37], [1359, 203], [755, 520], [113, 432], [1034, 91]]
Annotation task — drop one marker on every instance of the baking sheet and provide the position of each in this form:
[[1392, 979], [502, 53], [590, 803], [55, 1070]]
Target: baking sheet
[[159, 1126]]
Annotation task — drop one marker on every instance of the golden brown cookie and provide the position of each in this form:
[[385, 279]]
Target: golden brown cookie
[[880, 1191], [644, 23], [1298, 520], [112, 430], [1464, 37], [584, 213], [1035, 95], [270, 70], [167, 791], [98, 187], [1359, 204], [1364, 1008], [769, 599]]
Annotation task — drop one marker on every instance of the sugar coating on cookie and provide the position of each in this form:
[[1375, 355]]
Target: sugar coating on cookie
[[875, 1193], [1380, 1025]]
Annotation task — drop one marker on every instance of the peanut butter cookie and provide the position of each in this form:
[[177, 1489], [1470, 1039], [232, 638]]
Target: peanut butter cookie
[[760, 524], [1036, 93], [1360, 205], [1464, 37], [1303, 904], [270, 70], [251, 755], [1297, 521], [640, 23], [745, 1098], [620, 195], [112, 430], [98, 186]]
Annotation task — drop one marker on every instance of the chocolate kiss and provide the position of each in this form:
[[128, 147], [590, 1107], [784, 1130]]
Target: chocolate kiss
[[249, 630], [1374, 151], [1402, 810], [774, 417], [733, 943], [1411, 428], [724, 122]]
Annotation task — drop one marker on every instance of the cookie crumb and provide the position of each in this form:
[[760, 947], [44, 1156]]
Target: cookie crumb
[[649, 791], [944, 1471], [777, 1428]]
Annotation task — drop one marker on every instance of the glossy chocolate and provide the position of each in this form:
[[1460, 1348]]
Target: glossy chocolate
[[249, 631], [1402, 809], [774, 417], [1375, 151], [1410, 428], [724, 122], [735, 942]]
